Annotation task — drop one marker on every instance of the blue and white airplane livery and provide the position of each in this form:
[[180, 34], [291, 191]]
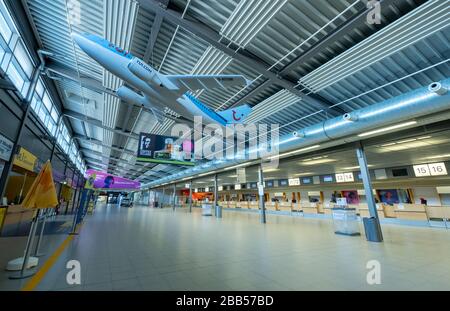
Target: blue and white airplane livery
[[159, 90]]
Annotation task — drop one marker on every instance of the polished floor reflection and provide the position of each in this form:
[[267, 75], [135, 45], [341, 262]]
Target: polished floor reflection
[[141, 248]]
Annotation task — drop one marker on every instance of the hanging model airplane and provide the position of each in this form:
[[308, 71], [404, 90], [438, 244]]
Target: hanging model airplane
[[159, 90]]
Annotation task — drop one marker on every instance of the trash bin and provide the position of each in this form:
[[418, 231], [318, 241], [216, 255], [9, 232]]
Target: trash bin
[[345, 221], [372, 229]]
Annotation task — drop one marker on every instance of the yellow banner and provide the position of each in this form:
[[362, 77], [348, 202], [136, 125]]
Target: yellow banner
[[90, 181], [42, 193], [25, 159]]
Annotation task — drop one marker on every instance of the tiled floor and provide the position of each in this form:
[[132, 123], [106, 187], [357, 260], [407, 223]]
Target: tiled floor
[[153, 249]]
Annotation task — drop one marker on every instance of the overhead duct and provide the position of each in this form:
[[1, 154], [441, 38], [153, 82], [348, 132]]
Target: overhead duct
[[416, 105]]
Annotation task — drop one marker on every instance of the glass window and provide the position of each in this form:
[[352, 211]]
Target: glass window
[[34, 103], [15, 77], [39, 88], [54, 114], [24, 59], [5, 31], [47, 102]]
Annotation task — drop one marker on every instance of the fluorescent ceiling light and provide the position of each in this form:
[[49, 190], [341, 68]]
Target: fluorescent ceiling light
[[236, 166], [354, 167], [303, 174], [271, 170], [294, 152], [439, 156], [388, 128], [319, 161]]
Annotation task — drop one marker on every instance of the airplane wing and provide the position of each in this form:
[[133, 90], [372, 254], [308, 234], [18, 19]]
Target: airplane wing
[[206, 82]]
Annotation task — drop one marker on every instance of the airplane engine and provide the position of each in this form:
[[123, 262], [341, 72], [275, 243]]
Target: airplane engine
[[143, 71], [130, 96]]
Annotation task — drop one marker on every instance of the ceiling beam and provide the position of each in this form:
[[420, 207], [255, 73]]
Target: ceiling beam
[[79, 116], [320, 46], [152, 37], [100, 143], [58, 72], [210, 36]]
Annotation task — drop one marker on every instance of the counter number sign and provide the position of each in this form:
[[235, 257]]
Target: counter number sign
[[432, 169]]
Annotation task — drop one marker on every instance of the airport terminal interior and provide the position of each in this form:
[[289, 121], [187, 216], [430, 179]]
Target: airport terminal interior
[[224, 145]]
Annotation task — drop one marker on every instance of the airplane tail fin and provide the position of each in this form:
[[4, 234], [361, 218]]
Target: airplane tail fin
[[237, 114]]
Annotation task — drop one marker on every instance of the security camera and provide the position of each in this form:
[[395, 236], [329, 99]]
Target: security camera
[[298, 134], [350, 117], [437, 88]]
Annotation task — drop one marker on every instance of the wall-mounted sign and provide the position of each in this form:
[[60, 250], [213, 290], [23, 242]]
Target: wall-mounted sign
[[316, 180], [294, 181], [220, 188], [433, 169], [187, 186], [380, 174], [237, 187], [25, 159], [103, 180], [196, 190], [164, 149], [207, 189], [328, 178], [437, 169], [314, 193], [6, 147], [306, 180], [344, 177], [282, 182]]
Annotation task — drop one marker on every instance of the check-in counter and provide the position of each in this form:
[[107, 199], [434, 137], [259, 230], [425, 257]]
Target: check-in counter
[[389, 211], [309, 208], [253, 205], [410, 211], [285, 206], [15, 217], [363, 210], [320, 208], [223, 204], [242, 204], [297, 207], [327, 208], [271, 206], [438, 212], [231, 204]]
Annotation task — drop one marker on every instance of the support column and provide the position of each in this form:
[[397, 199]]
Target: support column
[[162, 197], [190, 196], [174, 195], [262, 205], [217, 208], [361, 155], [27, 108]]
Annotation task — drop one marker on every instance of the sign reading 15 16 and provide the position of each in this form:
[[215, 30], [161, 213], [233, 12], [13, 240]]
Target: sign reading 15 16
[[432, 169]]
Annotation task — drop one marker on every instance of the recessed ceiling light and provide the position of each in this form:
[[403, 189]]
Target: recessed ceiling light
[[387, 128], [354, 167], [439, 156], [319, 161]]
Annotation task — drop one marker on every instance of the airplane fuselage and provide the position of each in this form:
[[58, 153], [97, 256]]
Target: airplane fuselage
[[117, 60]]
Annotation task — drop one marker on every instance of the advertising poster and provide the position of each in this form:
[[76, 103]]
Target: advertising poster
[[388, 196], [103, 180], [165, 149], [351, 196]]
